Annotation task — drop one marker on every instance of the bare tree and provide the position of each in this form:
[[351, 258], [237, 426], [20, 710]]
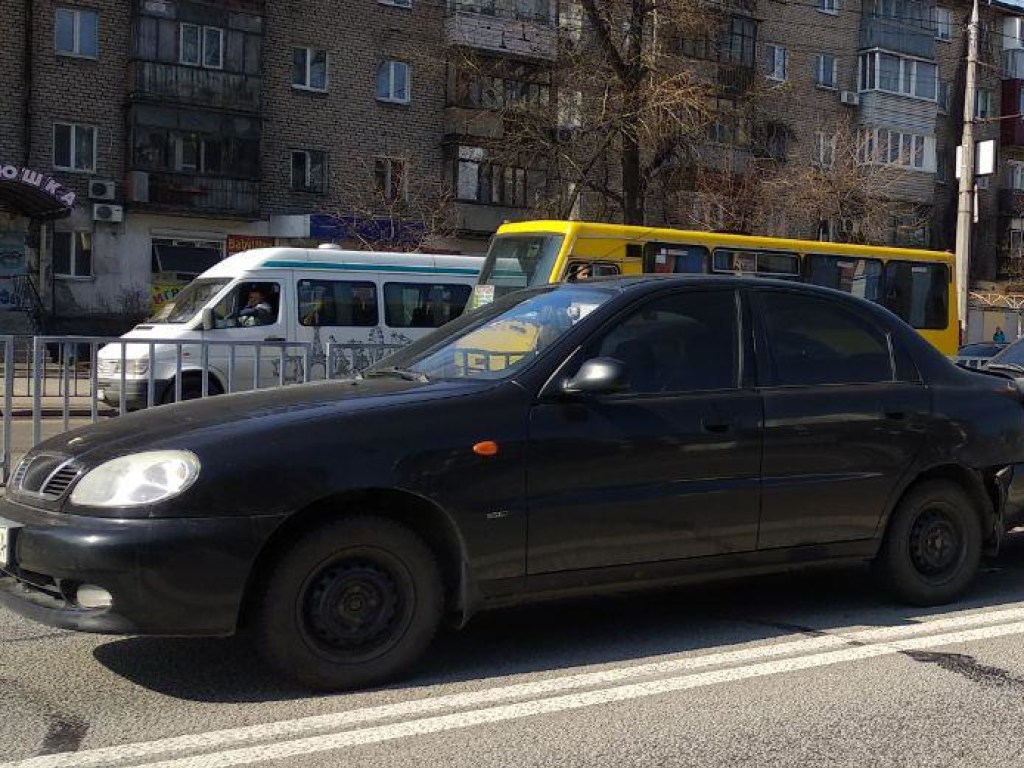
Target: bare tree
[[389, 208]]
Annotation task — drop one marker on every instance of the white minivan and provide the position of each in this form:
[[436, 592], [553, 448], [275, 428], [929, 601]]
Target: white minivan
[[269, 316]]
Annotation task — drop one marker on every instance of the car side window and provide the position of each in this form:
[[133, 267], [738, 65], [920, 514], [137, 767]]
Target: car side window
[[814, 341], [687, 342], [249, 304]]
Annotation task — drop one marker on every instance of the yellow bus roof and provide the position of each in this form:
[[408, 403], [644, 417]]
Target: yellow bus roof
[[627, 232]]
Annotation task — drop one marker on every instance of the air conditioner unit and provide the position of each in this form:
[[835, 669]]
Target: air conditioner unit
[[850, 97], [138, 187], [105, 212], [102, 190]]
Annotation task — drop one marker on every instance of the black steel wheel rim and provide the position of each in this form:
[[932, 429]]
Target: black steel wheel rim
[[936, 544], [353, 609]]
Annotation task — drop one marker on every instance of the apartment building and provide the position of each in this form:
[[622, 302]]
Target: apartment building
[[142, 141]]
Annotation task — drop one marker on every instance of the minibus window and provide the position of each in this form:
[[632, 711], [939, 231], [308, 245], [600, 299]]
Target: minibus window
[[663, 258], [858, 277], [193, 297], [337, 303], [918, 293], [778, 264], [423, 305], [518, 261]]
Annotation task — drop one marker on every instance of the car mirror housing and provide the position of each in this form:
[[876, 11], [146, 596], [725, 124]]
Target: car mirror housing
[[208, 319], [598, 376]]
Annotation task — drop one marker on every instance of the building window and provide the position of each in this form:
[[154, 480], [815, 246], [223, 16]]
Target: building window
[[824, 149], [72, 254], [738, 47], [74, 147], [191, 153], [895, 74], [201, 46], [983, 106], [309, 171], [76, 32], [776, 62], [390, 178], [497, 85], [397, 3], [480, 181], [1015, 171], [882, 146], [309, 69], [828, 6], [945, 94], [943, 24], [940, 165], [826, 70], [393, 82]]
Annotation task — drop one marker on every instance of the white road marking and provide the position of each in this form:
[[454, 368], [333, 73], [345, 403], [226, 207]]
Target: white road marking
[[291, 738]]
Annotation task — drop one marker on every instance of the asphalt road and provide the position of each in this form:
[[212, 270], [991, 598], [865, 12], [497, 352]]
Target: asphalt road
[[798, 670]]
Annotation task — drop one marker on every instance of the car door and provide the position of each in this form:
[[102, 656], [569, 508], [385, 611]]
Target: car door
[[668, 469], [844, 418], [254, 335]]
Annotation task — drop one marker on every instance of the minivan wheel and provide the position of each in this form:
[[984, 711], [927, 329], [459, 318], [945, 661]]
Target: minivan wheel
[[349, 604], [191, 389], [933, 546]]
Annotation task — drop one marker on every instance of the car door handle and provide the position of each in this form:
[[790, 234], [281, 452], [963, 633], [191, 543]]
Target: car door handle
[[717, 425], [896, 415], [274, 338]]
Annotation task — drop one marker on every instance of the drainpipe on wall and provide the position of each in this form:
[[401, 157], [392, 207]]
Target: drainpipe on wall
[[27, 78]]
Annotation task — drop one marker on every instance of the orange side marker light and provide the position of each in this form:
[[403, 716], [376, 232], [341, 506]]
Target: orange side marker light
[[486, 448]]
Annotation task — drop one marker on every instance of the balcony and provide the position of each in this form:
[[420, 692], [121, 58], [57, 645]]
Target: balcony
[[153, 81], [194, 193], [1011, 127], [897, 35], [523, 28], [1013, 65]]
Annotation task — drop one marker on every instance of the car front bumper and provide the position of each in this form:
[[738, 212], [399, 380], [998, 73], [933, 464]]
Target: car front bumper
[[136, 392], [180, 576]]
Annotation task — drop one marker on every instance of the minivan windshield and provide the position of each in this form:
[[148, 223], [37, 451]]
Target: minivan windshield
[[517, 261], [190, 301], [497, 341]]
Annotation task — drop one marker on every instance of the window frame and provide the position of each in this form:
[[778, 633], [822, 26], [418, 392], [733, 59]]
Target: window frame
[[772, 73], [389, 190], [307, 84], [831, 7], [307, 187], [390, 97], [768, 366], [76, 32], [869, 74], [819, 71], [76, 249], [943, 19], [73, 147], [354, 283]]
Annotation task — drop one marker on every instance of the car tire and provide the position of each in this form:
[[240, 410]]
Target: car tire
[[191, 389], [932, 547], [350, 604]]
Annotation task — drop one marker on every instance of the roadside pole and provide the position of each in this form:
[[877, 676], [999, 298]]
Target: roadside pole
[[965, 207]]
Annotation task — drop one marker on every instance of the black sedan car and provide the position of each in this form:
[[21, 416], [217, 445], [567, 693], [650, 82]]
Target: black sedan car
[[581, 437]]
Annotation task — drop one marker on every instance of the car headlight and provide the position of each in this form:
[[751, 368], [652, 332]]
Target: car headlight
[[136, 479]]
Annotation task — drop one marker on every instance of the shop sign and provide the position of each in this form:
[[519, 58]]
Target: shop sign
[[239, 243], [162, 293], [39, 180]]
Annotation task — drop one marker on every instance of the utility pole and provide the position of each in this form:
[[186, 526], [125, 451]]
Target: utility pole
[[965, 207]]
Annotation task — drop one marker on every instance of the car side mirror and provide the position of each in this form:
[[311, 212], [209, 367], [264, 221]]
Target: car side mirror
[[208, 319], [598, 376]]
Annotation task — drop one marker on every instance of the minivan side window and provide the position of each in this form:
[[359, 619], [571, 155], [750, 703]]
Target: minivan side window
[[346, 303], [814, 341], [687, 342], [423, 305], [249, 304]]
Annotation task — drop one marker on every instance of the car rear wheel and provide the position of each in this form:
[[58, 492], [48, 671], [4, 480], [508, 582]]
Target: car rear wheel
[[932, 549], [350, 604]]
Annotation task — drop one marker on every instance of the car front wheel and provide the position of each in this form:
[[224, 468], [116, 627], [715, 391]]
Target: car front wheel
[[932, 549], [350, 604]]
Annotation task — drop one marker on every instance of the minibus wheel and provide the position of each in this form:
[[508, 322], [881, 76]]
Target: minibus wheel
[[191, 389]]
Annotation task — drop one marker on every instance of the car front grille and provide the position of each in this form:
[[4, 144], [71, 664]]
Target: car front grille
[[44, 475]]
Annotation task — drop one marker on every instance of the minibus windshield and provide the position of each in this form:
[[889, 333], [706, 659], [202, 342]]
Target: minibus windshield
[[518, 261], [190, 301]]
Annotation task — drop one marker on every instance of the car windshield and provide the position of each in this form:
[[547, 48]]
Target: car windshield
[[499, 340], [190, 301], [516, 261], [1011, 355]]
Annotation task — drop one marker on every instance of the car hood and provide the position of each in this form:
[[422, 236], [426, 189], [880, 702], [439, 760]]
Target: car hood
[[238, 416]]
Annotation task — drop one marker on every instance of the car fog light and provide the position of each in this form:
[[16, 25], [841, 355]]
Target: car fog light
[[91, 596]]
